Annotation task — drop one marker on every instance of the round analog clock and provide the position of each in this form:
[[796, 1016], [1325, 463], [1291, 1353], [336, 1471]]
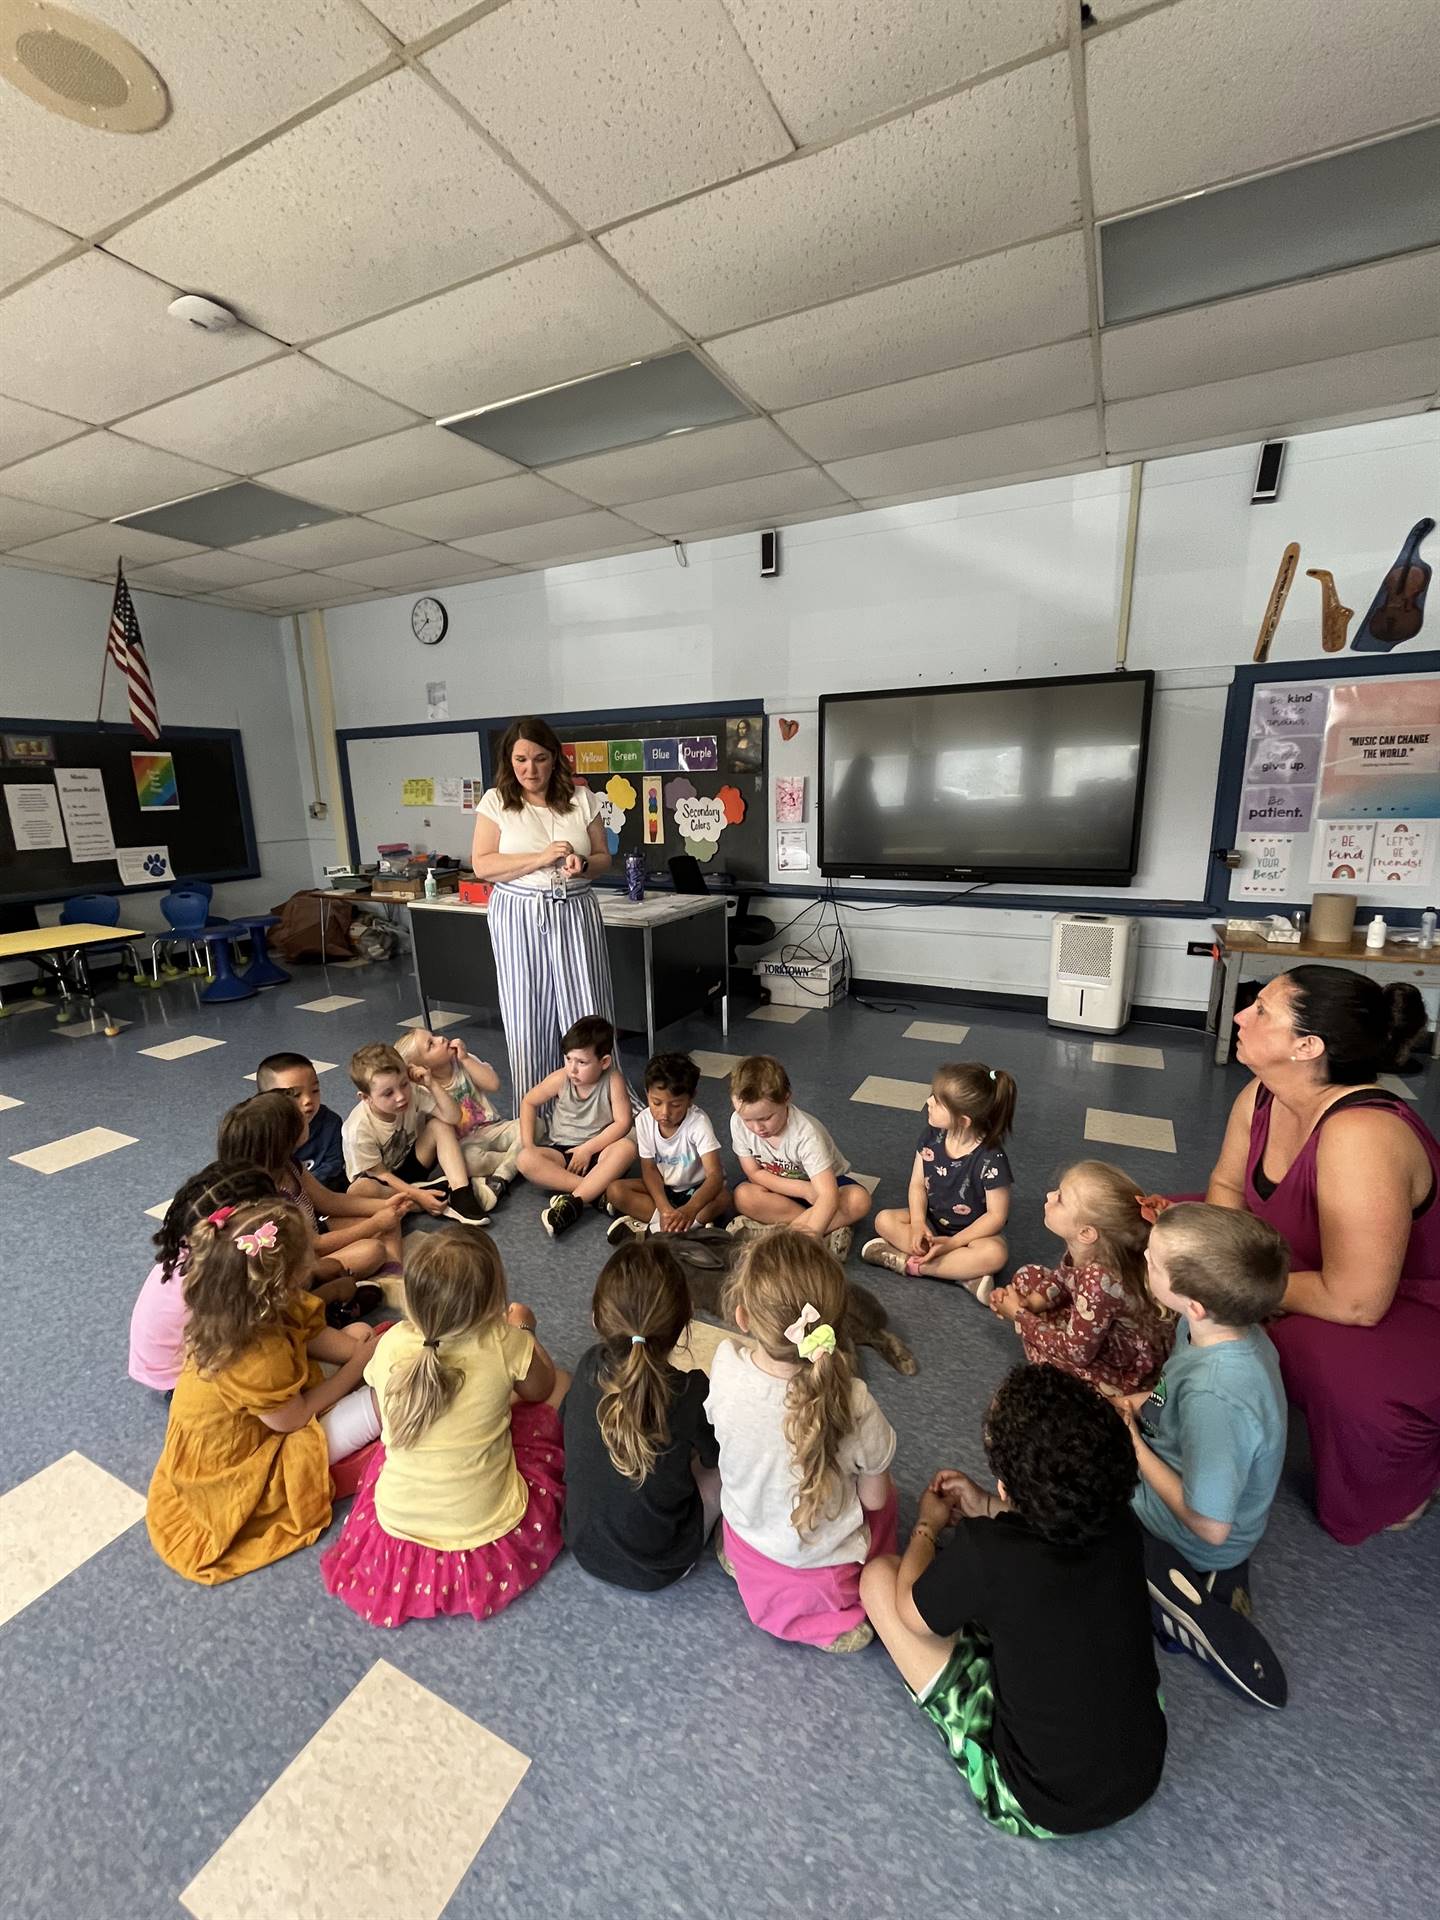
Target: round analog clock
[[428, 621]]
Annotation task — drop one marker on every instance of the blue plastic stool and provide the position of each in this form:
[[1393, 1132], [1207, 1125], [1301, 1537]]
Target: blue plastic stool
[[262, 970], [227, 984]]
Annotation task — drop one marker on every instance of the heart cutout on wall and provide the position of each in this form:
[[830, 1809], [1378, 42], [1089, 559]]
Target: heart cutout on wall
[[789, 729]]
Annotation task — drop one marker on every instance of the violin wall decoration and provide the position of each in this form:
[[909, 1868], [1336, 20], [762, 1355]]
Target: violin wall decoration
[[1397, 612]]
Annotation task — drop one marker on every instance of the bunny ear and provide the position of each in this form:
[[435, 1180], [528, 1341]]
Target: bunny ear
[[1152, 1205]]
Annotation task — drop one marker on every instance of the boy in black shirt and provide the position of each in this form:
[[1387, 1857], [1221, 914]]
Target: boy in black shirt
[[320, 1152], [1027, 1641]]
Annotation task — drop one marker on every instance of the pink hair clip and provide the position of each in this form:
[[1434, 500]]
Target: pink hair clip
[[1152, 1205], [219, 1217], [261, 1241]]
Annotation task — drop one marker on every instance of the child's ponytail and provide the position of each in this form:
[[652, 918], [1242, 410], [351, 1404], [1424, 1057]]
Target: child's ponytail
[[454, 1285], [980, 1095], [641, 1309]]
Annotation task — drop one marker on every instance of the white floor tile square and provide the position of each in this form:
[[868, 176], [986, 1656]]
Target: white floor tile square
[[320, 1066], [782, 1016], [90, 1029], [696, 1351], [715, 1066], [1396, 1085], [158, 1213], [331, 1003], [74, 1150], [435, 1784], [182, 1049], [7, 1101], [867, 1180], [877, 1090], [941, 1032], [438, 1021], [1111, 1053], [1129, 1130], [54, 1522]]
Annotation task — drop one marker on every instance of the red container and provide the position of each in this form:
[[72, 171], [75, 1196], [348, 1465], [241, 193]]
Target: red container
[[475, 893]]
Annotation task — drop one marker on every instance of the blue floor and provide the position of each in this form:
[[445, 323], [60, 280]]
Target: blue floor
[[681, 1762]]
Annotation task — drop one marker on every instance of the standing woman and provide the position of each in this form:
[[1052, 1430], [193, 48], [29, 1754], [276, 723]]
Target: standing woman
[[538, 838]]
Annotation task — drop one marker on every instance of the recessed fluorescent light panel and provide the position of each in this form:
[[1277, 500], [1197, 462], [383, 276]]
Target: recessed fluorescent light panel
[[1366, 204], [229, 516], [645, 401]]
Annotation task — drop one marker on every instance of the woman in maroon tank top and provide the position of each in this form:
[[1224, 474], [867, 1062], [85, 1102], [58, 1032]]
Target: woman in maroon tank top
[[1348, 1173]]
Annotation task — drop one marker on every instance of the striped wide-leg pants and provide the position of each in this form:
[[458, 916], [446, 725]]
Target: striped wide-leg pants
[[553, 969]]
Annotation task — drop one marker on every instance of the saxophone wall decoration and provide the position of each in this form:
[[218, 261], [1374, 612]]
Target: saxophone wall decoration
[[1334, 619]]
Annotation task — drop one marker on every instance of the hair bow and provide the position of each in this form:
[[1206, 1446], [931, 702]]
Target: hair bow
[[261, 1241], [810, 1335], [1152, 1205], [219, 1217]]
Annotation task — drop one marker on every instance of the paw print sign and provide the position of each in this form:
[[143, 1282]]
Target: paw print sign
[[156, 865]]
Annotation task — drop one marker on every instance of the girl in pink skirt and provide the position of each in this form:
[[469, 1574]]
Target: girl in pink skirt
[[805, 1453], [460, 1509]]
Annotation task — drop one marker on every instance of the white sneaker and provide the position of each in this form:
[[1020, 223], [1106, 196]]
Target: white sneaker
[[839, 1241], [623, 1228]]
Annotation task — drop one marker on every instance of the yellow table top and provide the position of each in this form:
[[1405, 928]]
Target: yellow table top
[[17, 946]]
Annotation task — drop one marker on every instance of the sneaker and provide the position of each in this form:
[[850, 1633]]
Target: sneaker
[[1188, 1617], [722, 1556], [365, 1299], [498, 1189], [852, 1641], [464, 1206], [626, 1227], [880, 1253], [560, 1214], [839, 1241], [740, 1225], [984, 1288]]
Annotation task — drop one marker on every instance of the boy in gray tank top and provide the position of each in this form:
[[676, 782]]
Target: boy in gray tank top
[[590, 1139]]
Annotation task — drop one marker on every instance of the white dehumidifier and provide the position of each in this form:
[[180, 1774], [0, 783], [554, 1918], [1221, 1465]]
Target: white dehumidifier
[[1092, 971]]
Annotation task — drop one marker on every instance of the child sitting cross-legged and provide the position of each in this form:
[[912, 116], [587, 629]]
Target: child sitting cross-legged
[[953, 1226], [459, 1510], [1025, 1639], [795, 1175], [322, 1153], [1093, 1314], [490, 1145], [1210, 1439], [391, 1151], [642, 1490], [682, 1181], [588, 1142]]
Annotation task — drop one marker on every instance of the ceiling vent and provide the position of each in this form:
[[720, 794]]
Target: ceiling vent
[[79, 68]]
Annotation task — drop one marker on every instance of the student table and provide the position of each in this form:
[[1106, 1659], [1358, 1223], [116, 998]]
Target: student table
[[1231, 951], [668, 957], [61, 952]]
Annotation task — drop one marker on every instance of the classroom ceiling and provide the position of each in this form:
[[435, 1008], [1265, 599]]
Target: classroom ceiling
[[876, 224]]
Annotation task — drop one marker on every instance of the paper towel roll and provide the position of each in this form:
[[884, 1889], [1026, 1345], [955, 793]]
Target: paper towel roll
[[1332, 918]]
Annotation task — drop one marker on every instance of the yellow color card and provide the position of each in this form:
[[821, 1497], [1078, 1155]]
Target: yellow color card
[[418, 793], [592, 756]]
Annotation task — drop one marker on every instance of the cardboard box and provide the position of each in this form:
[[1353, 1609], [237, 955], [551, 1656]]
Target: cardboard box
[[411, 886], [803, 983]]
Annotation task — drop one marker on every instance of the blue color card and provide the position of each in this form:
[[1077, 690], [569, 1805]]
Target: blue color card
[[699, 755], [662, 756]]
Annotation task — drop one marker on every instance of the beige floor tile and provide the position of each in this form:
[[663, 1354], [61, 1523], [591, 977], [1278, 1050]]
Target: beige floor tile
[[1111, 1053], [782, 1016], [181, 1049], [74, 1150], [331, 1003], [876, 1090], [715, 1066], [54, 1522], [940, 1031], [438, 1021], [696, 1351], [378, 1817], [1395, 1084], [867, 1180], [158, 1213], [320, 1066], [1129, 1130], [7, 1101]]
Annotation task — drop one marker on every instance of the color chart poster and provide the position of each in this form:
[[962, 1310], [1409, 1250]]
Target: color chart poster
[[1382, 752]]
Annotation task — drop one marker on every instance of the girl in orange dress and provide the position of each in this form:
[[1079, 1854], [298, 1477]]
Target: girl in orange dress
[[245, 1474]]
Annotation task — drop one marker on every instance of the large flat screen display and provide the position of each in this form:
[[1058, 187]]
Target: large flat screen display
[[1025, 780]]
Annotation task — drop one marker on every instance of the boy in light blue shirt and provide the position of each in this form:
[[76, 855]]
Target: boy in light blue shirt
[[1210, 1437]]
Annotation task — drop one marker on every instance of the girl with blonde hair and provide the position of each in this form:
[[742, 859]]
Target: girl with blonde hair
[[805, 1453], [460, 1509], [642, 1490], [1093, 1315]]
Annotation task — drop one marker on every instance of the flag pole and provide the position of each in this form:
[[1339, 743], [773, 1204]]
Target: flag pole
[[105, 661]]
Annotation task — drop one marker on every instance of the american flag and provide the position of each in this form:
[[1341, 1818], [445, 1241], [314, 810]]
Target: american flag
[[124, 646]]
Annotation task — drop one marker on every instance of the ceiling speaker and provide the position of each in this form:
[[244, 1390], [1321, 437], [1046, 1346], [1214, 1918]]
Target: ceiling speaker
[[79, 68]]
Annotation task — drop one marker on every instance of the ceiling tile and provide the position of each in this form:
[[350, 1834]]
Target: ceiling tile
[[25, 430], [378, 473], [21, 521], [423, 566], [1024, 297], [106, 475], [1025, 448], [283, 411], [330, 545], [206, 573], [246, 66], [996, 393], [409, 19], [295, 591], [583, 534], [966, 176], [514, 332], [1374, 306], [27, 243], [1262, 405], [92, 338], [384, 197], [1212, 89], [753, 503], [100, 546], [498, 505], [832, 64], [679, 463], [616, 105]]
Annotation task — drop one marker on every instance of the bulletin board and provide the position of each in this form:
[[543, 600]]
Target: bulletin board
[[101, 809], [416, 788], [1337, 769]]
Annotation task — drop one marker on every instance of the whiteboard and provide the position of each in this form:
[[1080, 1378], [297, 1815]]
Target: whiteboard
[[379, 769]]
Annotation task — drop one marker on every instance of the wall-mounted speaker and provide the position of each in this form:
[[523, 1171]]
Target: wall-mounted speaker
[[769, 554], [1267, 474]]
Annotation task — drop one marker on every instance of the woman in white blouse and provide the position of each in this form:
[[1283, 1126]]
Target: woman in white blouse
[[538, 838]]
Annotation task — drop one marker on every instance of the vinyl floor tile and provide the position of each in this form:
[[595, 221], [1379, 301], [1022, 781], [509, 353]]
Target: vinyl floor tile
[[54, 1522], [878, 1090], [1130, 1130], [939, 1032], [183, 1048], [1110, 1053], [329, 1003], [73, 1150]]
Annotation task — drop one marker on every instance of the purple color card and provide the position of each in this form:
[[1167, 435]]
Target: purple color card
[[700, 755], [662, 756]]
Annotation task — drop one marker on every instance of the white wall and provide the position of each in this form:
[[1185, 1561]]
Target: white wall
[[212, 666]]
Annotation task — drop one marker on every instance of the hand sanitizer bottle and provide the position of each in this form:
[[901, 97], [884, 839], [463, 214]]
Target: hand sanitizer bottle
[[1427, 927], [1375, 933], [432, 886]]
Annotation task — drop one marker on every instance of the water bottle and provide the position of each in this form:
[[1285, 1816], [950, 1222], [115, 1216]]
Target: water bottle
[[1375, 933], [1427, 927], [635, 875], [432, 886]]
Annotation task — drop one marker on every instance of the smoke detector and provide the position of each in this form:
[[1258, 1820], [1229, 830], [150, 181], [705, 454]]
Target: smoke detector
[[197, 311], [79, 68]]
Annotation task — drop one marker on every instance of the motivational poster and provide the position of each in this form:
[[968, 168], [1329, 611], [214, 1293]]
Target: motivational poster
[[156, 786], [1343, 849], [1403, 854], [1267, 862], [1276, 809], [1382, 752], [1290, 710]]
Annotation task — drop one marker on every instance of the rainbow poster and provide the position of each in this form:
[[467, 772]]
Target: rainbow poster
[[156, 787]]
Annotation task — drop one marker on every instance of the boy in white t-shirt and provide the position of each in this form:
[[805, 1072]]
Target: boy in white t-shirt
[[682, 1182], [795, 1175]]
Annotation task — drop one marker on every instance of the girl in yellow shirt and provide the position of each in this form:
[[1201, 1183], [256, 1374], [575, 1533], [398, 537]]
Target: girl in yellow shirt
[[460, 1509]]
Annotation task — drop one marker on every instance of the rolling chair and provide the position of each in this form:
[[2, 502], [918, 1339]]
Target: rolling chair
[[743, 929]]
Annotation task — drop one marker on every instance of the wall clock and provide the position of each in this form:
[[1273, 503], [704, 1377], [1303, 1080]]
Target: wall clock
[[429, 621]]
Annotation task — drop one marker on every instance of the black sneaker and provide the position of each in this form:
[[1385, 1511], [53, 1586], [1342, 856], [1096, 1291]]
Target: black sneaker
[[463, 1202], [497, 1186], [624, 1229], [560, 1214], [1188, 1618], [364, 1300]]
